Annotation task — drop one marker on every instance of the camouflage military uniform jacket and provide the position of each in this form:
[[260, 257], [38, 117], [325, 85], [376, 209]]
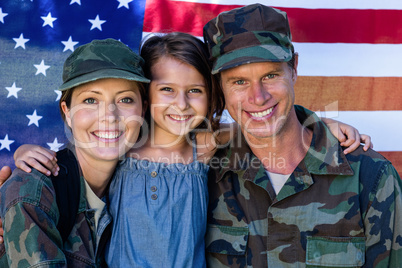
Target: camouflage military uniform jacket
[[30, 214], [333, 211]]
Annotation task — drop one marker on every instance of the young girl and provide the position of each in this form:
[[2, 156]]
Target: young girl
[[159, 194], [101, 103]]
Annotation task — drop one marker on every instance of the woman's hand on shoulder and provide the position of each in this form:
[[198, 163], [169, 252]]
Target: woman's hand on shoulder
[[30, 156]]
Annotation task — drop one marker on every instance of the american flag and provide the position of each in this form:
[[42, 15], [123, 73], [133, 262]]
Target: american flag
[[350, 56]]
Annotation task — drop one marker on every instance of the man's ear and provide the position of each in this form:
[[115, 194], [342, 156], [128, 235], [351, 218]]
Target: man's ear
[[294, 72], [66, 112]]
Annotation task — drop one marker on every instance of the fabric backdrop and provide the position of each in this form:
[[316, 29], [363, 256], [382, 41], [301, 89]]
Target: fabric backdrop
[[349, 63]]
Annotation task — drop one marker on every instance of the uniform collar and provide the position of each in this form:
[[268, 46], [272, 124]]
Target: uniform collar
[[324, 157]]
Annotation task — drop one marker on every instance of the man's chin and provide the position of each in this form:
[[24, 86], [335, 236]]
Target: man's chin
[[258, 133]]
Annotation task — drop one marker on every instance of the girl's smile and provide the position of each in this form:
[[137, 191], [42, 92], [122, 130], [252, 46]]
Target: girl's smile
[[177, 97]]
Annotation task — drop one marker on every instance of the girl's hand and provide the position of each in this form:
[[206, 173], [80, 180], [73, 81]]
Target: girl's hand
[[29, 156], [5, 173], [348, 135]]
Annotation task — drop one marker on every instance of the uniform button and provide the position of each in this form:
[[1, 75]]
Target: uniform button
[[154, 197], [153, 174], [153, 188]]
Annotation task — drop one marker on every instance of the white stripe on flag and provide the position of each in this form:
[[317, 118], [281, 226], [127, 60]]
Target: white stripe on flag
[[382, 126], [337, 59]]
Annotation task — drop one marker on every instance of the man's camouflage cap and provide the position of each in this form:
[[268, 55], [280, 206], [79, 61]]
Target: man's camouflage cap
[[253, 33], [99, 59]]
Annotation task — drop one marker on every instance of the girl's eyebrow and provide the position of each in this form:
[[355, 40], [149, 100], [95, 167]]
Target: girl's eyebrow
[[170, 84]]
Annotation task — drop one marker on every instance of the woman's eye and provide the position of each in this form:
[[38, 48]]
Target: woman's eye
[[126, 100], [90, 101]]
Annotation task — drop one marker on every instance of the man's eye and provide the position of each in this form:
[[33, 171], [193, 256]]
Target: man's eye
[[90, 101], [240, 82], [270, 76]]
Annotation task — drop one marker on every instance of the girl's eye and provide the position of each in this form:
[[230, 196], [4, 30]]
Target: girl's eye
[[90, 101], [166, 89], [126, 100], [195, 90]]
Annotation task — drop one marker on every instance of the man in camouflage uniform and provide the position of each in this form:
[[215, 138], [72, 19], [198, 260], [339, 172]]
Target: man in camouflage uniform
[[283, 194]]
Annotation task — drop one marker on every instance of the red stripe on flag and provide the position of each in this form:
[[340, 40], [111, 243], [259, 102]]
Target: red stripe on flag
[[307, 25]]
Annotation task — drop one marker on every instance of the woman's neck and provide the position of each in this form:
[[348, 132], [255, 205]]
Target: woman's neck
[[97, 173]]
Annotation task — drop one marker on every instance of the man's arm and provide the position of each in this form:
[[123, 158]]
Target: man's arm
[[383, 221]]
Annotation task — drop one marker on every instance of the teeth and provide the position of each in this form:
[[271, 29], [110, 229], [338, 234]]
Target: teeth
[[262, 114], [108, 135], [180, 118]]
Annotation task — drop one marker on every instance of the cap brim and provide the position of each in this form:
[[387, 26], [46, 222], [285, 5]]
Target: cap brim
[[101, 74], [262, 53]]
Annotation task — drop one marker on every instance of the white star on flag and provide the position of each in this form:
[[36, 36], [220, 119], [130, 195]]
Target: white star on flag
[[124, 3], [58, 92], [75, 1], [69, 44], [20, 41], [5, 143], [48, 20], [12, 91], [55, 145], [2, 15], [96, 23], [34, 118], [41, 68]]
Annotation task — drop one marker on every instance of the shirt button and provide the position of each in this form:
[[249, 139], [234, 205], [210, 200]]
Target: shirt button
[[153, 188], [154, 197], [153, 174]]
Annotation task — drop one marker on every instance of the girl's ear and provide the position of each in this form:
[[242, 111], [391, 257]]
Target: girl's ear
[[66, 112]]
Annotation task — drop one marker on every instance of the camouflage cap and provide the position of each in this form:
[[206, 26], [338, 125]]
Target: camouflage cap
[[99, 59], [253, 33]]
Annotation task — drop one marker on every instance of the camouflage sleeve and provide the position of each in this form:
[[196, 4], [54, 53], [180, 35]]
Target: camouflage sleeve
[[29, 213], [383, 221]]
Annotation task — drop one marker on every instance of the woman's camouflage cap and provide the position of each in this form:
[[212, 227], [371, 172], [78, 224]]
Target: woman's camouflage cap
[[253, 33], [99, 59]]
